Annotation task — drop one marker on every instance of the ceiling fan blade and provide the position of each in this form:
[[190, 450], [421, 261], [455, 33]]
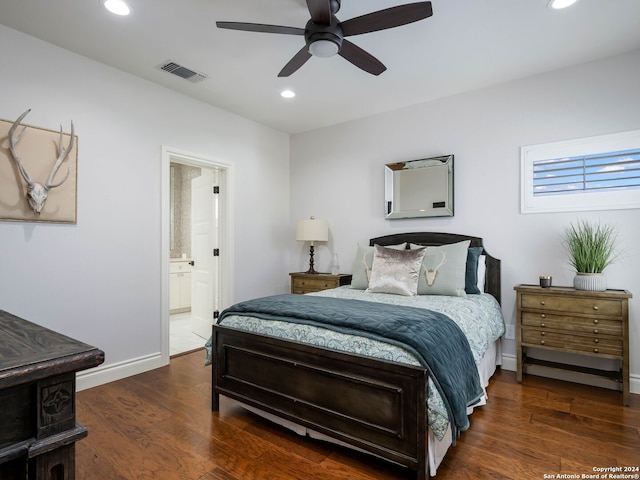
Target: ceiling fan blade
[[361, 58], [296, 62], [387, 18], [320, 11], [259, 27]]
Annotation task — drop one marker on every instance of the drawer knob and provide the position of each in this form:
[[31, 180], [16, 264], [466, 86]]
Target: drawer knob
[[543, 325], [595, 350], [542, 315], [596, 321], [596, 331], [542, 334], [541, 342], [541, 302], [595, 340], [595, 307]]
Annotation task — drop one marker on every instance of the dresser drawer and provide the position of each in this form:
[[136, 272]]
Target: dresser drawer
[[180, 267], [596, 326], [593, 344], [593, 306]]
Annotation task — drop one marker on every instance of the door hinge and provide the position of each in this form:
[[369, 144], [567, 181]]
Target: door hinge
[[216, 314], [216, 252], [216, 189]]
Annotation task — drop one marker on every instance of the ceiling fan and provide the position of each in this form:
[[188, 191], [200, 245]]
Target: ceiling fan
[[325, 35]]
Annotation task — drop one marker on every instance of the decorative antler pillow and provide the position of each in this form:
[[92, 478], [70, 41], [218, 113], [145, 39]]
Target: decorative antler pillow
[[443, 270]]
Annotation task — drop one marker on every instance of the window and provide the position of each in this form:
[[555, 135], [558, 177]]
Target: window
[[596, 173]]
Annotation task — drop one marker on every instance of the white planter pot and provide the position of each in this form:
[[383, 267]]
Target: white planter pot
[[594, 282]]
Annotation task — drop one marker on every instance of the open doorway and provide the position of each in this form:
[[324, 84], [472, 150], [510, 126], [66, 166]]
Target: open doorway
[[196, 249]]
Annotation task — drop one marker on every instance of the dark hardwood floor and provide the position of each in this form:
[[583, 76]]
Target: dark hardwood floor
[[159, 425]]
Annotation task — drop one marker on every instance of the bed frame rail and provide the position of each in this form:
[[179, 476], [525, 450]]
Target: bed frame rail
[[376, 406]]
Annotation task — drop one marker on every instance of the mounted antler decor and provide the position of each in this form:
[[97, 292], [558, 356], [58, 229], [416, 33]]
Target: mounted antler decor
[[22, 196]]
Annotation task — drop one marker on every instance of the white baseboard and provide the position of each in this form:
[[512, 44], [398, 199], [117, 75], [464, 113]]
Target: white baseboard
[[510, 363], [117, 371]]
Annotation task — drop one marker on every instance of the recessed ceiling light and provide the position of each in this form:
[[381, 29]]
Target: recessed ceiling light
[[287, 94], [118, 7], [559, 4]]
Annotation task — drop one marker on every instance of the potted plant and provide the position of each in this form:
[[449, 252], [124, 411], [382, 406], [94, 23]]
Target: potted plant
[[591, 248]]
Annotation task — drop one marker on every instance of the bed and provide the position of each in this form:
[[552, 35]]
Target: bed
[[375, 402]]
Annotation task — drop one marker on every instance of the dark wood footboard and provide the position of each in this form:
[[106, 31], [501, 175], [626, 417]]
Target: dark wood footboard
[[374, 405]]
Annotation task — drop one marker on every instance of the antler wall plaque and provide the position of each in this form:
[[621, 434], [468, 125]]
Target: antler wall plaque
[[38, 173]]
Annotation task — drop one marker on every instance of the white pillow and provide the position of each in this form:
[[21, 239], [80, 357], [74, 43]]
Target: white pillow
[[482, 268]]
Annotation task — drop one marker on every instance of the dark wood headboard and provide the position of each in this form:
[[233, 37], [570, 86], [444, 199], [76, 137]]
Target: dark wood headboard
[[492, 274]]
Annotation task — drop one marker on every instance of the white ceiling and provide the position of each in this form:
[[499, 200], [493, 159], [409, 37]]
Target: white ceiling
[[465, 45]]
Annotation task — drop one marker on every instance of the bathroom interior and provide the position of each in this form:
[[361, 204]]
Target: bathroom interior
[[182, 339]]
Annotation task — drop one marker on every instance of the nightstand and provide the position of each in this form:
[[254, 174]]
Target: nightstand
[[315, 282], [574, 321]]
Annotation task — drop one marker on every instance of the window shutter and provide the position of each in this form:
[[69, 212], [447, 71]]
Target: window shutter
[[587, 173]]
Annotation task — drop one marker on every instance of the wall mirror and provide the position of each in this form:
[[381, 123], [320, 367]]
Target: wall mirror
[[419, 188]]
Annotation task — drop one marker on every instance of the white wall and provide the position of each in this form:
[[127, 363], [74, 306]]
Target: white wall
[[100, 281], [337, 174]]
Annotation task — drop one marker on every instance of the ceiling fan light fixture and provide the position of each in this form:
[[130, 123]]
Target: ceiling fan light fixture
[[117, 7], [324, 34], [560, 4], [323, 48]]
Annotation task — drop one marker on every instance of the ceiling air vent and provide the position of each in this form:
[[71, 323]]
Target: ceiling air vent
[[182, 71]]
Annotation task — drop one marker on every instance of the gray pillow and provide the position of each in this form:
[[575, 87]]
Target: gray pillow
[[362, 265], [443, 270], [395, 271]]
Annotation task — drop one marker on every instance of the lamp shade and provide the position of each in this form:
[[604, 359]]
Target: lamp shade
[[312, 230]]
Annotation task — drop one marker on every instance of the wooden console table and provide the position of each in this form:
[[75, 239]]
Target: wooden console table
[[38, 426]]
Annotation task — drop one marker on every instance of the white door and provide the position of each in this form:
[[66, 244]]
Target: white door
[[204, 238]]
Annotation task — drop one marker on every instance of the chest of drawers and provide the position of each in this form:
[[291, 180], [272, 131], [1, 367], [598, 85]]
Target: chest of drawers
[[574, 321], [38, 427], [312, 282]]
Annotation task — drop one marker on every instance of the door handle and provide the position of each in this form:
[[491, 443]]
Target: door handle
[[192, 263]]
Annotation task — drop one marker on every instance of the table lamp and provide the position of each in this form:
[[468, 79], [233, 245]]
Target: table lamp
[[312, 230]]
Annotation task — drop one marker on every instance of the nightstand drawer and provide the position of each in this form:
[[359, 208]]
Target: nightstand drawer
[[596, 326], [302, 283], [568, 342], [593, 306], [313, 284]]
